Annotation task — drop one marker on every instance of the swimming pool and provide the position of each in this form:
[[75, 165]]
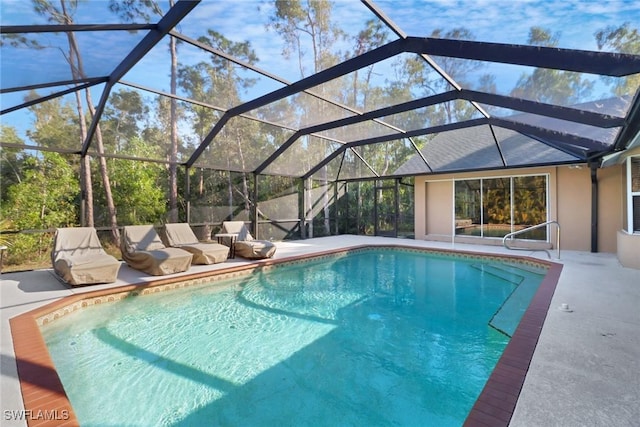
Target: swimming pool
[[406, 338]]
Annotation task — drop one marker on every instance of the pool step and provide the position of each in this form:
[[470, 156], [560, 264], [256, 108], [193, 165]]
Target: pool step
[[526, 281], [504, 272], [527, 268]]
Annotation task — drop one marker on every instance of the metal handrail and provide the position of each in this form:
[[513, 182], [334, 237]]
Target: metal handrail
[[533, 227]]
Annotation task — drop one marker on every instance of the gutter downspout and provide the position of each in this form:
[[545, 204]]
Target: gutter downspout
[[594, 206]]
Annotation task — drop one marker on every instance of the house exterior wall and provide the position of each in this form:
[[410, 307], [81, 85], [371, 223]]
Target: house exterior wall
[[569, 198], [628, 244], [611, 182], [574, 207], [439, 219]]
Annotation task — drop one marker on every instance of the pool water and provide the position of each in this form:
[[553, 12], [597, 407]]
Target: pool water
[[379, 337]]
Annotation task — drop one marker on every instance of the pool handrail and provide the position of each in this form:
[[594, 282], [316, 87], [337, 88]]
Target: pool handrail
[[533, 227]]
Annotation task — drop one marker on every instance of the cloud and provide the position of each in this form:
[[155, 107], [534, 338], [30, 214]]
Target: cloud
[[508, 21]]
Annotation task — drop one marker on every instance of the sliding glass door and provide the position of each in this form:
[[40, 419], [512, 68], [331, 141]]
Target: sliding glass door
[[494, 207]]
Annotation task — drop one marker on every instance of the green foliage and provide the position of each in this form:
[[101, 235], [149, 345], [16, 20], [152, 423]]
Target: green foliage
[[307, 30], [355, 207], [42, 192], [623, 39], [551, 86], [529, 204], [6, 239], [45, 198], [122, 116], [138, 189], [11, 161], [56, 124]]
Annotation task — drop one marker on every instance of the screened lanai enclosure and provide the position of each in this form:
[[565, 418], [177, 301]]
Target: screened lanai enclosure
[[302, 118]]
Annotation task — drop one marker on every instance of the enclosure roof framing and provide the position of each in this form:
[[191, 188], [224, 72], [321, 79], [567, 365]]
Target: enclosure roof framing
[[581, 61], [400, 85]]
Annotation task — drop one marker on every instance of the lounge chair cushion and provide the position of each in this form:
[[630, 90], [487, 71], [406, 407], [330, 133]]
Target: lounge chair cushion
[[143, 250], [79, 259], [181, 236], [246, 246], [255, 249]]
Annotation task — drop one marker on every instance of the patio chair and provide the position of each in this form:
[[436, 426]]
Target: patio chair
[[143, 250], [79, 259], [181, 236], [244, 243]]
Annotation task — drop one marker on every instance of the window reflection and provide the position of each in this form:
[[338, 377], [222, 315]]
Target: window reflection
[[494, 207]]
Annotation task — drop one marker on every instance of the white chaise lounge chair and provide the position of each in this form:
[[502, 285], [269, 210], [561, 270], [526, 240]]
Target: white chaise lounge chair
[[245, 245], [79, 259], [181, 236], [143, 250]]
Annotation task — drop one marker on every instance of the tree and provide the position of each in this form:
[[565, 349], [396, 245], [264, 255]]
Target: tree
[[56, 123], [122, 120], [45, 198], [220, 80], [64, 15], [121, 117], [373, 35], [11, 160], [293, 20], [298, 22], [416, 78], [40, 191], [623, 39], [139, 192], [130, 10], [551, 86]]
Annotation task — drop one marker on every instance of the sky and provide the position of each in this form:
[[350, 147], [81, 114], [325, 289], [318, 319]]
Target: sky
[[574, 22]]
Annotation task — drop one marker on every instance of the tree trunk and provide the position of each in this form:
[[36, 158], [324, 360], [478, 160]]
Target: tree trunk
[[86, 185], [173, 152], [230, 182], [309, 213], [104, 173], [325, 202], [87, 190], [245, 187], [77, 70]]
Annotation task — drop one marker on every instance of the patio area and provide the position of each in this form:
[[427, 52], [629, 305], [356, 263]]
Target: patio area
[[585, 369]]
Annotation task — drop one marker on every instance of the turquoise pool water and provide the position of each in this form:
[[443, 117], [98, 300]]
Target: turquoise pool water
[[375, 338]]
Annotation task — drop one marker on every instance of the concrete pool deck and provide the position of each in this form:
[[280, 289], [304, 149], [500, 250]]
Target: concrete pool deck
[[585, 369]]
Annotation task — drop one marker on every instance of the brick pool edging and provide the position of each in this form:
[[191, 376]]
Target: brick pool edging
[[498, 399], [46, 402]]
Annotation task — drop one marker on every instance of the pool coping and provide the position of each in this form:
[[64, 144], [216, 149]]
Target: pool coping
[[47, 403]]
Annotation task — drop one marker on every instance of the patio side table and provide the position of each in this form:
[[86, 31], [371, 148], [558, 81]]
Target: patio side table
[[233, 238]]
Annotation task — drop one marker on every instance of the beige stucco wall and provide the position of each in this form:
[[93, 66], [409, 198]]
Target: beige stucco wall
[[569, 204], [611, 183], [574, 207], [439, 220], [628, 249]]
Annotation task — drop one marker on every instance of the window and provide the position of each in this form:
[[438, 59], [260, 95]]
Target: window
[[468, 205], [633, 178], [494, 207]]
